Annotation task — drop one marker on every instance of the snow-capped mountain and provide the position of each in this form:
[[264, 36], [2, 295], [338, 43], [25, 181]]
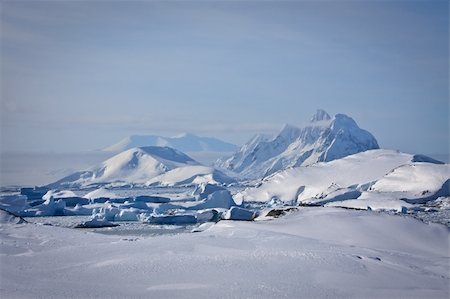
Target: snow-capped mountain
[[323, 139], [184, 142], [373, 177], [145, 165]]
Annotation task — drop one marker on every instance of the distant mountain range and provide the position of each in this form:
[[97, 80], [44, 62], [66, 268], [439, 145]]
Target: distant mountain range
[[323, 139], [185, 142]]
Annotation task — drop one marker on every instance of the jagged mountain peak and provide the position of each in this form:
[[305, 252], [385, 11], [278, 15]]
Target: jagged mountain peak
[[320, 115], [325, 139], [343, 120], [288, 131]]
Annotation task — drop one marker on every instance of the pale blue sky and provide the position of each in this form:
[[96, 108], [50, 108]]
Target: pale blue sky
[[80, 75]]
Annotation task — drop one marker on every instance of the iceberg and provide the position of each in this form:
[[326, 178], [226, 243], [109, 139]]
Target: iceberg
[[236, 213]]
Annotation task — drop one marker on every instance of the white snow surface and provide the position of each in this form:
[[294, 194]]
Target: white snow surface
[[58, 194], [197, 174], [374, 201], [323, 139], [313, 253], [411, 182], [312, 183], [141, 165], [415, 179], [101, 193]]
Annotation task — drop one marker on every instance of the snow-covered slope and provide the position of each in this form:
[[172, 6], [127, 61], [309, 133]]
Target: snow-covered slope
[[408, 184], [139, 166], [416, 182], [323, 139], [348, 177], [184, 142], [197, 174], [313, 253]]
